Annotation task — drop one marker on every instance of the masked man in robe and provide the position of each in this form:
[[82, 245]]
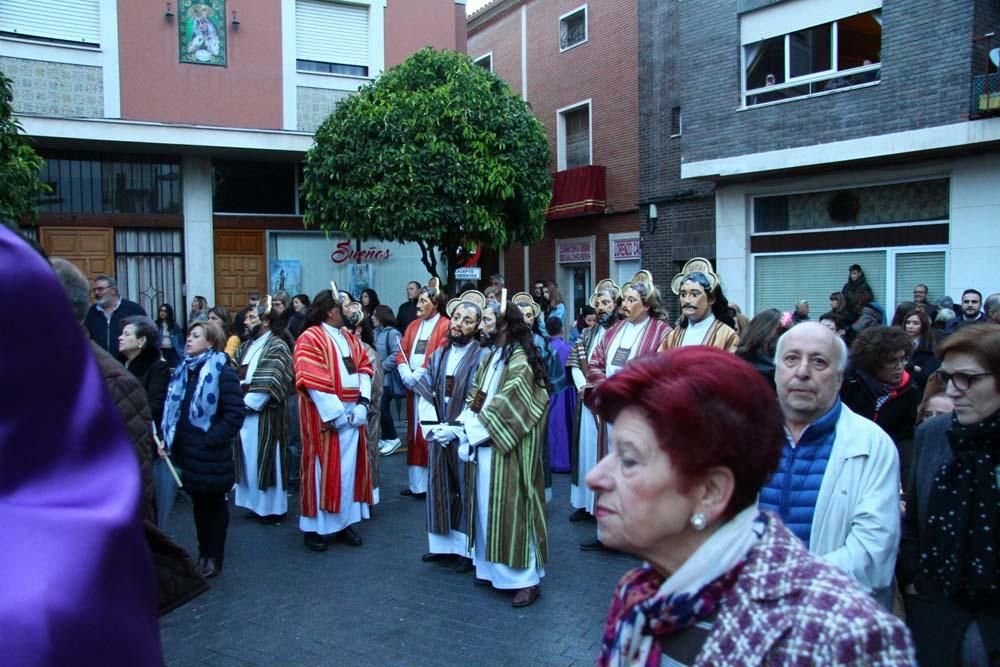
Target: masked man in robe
[[501, 436], [421, 339], [333, 378], [583, 446], [441, 398], [705, 315], [264, 362], [361, 327], [642, 332]]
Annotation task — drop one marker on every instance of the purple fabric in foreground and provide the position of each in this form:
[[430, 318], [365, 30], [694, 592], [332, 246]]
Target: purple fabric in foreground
[[76, 578], [561, 409]]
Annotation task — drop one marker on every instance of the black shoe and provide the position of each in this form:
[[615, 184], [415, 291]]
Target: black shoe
[[483, 582], [314, 542], [592, 545], [406, 492], [464, 565], [579, 515], [349, 537], [430, 558], [420, 496], [273, 519]]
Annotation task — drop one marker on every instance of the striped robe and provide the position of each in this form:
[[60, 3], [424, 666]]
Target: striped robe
[[374, 433], [316, 368], [514, 418], [719, 335], [447, 473], [587, 341], [652, 338], [274, 376], [416, 446]]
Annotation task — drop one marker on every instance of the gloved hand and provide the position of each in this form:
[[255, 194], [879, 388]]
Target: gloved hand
[[359, 416], [443, 435], [406, 375], [342, 422], [418, 374], [466, 452]]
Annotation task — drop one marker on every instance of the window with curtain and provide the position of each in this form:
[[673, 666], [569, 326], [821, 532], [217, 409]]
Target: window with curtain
[[812, 57], [149, 266]]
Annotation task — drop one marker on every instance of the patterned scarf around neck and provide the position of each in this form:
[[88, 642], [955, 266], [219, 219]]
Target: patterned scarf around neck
[[647, 608], [205, 401], [962, 515]]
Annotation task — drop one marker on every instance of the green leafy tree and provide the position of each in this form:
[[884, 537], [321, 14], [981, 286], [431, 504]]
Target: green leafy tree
[[19, 165], [436, 151]]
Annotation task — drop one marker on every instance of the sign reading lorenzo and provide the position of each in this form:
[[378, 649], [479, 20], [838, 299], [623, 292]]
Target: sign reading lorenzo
[[627, 249], [344, 253]]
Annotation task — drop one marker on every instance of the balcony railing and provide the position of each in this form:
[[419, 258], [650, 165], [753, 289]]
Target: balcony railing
[[986, 79], [579, 191]]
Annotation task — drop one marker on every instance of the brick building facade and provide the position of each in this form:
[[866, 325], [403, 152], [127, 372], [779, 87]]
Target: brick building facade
[[576, 63], [823, 134]]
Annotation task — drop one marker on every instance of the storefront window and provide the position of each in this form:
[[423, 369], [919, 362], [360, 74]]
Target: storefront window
[[254, 187]]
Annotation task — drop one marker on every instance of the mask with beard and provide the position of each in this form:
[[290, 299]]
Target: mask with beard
[[487, 339], [463, 339], [352, 318], [607, 319], [255, 330]]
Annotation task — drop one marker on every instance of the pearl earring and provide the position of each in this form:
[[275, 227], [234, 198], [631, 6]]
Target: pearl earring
[[698, 521]]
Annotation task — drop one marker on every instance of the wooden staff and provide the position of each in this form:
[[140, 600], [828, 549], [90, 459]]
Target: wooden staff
[[173, 470]]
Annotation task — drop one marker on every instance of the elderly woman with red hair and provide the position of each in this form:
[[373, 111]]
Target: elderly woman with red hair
[[695, 435]]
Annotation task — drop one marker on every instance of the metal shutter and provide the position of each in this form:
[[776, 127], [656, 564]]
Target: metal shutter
[[331, 32], [781, 280], [70, 20], [919, 267]]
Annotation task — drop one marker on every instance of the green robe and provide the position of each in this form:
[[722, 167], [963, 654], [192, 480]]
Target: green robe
[[515, 420]]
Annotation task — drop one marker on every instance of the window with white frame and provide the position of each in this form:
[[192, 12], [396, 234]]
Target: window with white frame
[[804, 47], [486, 61], [75, 22], [331, 37], [573, 28], [573, 136]]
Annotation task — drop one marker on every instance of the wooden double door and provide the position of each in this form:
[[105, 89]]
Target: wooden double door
[[92, 249], [240, 266]]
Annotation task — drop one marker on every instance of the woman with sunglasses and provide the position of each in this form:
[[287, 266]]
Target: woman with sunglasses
[[948, 566]]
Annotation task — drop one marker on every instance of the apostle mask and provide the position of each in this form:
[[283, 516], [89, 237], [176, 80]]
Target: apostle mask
[[695, 300], [632, 305], [464, 322]]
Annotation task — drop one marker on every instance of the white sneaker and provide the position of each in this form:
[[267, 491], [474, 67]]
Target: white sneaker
[[383, 445], [392, 448]]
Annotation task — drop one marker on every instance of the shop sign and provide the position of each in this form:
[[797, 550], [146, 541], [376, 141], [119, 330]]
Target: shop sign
[[468, 273], [345, 253], [574, 252], [626, 249]]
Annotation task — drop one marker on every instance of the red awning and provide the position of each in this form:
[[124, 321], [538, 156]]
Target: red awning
[[579, 191]]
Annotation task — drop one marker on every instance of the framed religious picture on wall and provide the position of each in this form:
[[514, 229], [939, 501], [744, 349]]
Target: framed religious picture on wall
[[202, 31], [286, 276]]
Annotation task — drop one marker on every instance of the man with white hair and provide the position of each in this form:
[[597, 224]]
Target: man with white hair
[[837, 487], [104, 319], [992, 307]]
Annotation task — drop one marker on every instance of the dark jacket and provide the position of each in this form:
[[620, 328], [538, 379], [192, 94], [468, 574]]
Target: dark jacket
[[761, 363], [104, 331], [130, 397], [897, 415], [850, 291], [206, 457], [406, 314], [296, 323], [154, 374], [937, 624], [924, 359], [960, 321]]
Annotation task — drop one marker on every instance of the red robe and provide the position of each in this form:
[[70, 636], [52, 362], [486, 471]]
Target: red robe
[[416, 446], [316, 367]]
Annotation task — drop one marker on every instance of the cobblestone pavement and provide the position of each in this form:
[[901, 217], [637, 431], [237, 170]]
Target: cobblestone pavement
[[278, 604]]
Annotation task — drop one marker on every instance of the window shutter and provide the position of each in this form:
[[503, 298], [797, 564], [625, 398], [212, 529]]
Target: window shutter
[[330, 32], [781, 280], [786, 17], [577, 137], [919, 267], [69, 20]]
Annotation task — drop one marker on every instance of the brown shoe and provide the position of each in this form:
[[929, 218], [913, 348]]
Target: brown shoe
[[526, 596]]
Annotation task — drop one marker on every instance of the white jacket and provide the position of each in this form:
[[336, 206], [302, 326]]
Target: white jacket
[[856, 525]]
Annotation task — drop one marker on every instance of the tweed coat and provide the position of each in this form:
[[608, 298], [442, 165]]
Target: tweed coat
[[790, 607]]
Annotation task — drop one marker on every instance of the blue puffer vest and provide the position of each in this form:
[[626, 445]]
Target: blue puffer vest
[[792, 491]]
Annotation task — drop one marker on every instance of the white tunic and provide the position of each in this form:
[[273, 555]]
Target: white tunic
[[330, 407], [274, 500], [417, 475], [581, 496], [694, 334]]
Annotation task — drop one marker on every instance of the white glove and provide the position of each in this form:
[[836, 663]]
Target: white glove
[[443, 436], [342, 422], [419, 373], [359, 416], [406, 375], [466, 452]]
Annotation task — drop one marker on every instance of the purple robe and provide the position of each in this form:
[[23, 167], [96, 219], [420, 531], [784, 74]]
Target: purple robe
[[562, 407], [76, 577]]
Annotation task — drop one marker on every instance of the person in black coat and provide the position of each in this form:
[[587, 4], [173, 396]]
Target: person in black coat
[[139, 350], [877, 386], [104, 319], [923, 363], [758, 342], [948, 556], [203, 413]]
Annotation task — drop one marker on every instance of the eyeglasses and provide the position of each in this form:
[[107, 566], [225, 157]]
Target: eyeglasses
[[962, 381], [898, 362]]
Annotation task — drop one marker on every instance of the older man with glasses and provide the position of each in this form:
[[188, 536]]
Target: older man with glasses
[[104, 319]]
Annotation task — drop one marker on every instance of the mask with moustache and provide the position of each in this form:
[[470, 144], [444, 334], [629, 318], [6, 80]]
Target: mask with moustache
[[607, 319]]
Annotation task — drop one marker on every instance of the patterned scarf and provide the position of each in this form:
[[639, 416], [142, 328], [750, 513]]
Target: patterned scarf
[[647, 608], [962, 515], [205, 400]]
